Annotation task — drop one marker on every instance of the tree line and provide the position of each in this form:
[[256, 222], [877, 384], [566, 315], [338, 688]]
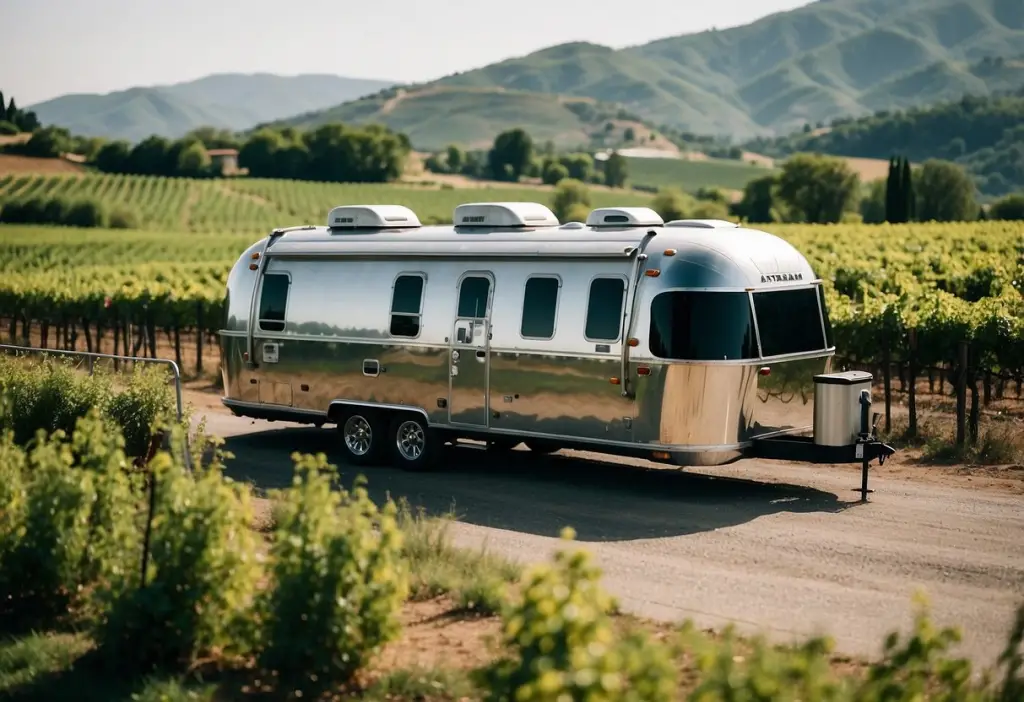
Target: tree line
[[985, 135], [14, 120], [332, 152], [514, 155], [822, 189]]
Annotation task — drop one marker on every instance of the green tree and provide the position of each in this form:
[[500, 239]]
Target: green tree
[[511, 154], [909, 197], [193, 160], [553, 172], [259, 152], [1010, 207], [113, 157], [616, 170], [758, 202], [48, 142], [455, 158], [818, 189], [672, 203], [569, 193], [629, 135], [945, 193], [580, 166]]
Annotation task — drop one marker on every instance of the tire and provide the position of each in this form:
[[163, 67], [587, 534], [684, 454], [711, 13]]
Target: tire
[[362, 437], [542, 446], [413, 445]]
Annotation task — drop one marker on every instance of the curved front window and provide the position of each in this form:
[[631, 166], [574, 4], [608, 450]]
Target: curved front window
[[702, 326]]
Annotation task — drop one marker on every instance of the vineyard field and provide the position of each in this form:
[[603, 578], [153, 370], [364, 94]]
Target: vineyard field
[[947, 282], [256, 205]]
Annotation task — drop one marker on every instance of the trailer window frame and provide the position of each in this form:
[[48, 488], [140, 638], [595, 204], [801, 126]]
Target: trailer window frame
[[824, 328], [554, 309], [418, 315], [590, 307], [283, 321]]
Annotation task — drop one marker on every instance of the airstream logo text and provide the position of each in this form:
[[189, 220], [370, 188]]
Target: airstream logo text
[[781, 277]]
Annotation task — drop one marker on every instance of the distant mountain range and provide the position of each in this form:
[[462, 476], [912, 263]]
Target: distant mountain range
[[832, 58], [234, 101]]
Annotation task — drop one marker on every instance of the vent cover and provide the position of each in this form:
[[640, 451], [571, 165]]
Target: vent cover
[[504, 214], [372, 217], [624, 217]]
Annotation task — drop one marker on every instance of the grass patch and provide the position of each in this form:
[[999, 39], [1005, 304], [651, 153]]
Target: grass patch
[[474, 579], [1000, 442], [422, 684]]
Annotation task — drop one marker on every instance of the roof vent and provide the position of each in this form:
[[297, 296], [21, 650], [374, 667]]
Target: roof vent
[[504, 214], [703, 224], [372, 217], [624, 217]]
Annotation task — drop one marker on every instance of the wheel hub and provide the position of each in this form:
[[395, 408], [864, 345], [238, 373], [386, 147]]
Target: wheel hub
[[410, 440], [358, 435]]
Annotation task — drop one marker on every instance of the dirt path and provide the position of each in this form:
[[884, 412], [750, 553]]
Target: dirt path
[[780, 548]]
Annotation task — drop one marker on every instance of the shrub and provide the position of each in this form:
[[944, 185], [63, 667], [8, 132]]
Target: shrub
[[672, 203], [201, 577], [569, 192], [52, 395], [1010, 207], [48, 395], [124, 219], [67, 528], [56, 211], [564, 646], [8, 129], [336, 586]]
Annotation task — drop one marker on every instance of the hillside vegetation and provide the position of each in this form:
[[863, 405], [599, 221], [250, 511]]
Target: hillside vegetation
[[436, 116], [985, 135], [810, 65], [233, 101]]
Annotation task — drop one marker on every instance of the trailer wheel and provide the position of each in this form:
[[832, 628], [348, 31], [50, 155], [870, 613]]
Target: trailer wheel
[[362, 437], [413, 445], [541, 446]]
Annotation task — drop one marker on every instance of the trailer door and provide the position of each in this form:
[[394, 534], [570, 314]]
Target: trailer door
[[470, 350]]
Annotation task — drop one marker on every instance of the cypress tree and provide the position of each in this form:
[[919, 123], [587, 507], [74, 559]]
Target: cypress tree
[[12, 112], [4, 115], [909, 199], [890, 191]]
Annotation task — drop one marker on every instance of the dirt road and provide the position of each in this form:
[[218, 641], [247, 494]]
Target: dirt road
[[778, 548]]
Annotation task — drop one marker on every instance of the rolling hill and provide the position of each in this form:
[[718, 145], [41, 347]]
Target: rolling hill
[[828, 59], [232, 100], [439, 115]]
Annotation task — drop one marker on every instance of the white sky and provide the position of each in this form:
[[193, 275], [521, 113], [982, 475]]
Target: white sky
[[52, 47]]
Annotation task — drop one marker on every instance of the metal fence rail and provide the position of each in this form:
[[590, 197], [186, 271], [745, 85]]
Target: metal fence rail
[[175, 372]]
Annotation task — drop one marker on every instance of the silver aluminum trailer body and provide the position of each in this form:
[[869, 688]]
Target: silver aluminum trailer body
[[683, 342]]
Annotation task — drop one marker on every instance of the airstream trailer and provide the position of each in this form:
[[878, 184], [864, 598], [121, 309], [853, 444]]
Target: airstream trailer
[[692, 342]]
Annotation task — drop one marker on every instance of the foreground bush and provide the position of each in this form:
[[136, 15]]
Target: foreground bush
[[51, 395], [201, 577], [63, 530], [564, 646], [337, 580]]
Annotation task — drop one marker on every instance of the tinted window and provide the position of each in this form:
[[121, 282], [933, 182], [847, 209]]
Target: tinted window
[[405, 305], [788, 321], [604, 309], [702, 326], [539, 303], [473, 297], [273, 300]]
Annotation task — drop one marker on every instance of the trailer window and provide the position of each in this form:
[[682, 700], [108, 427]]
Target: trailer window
[[789, 321], [604, 309], [824, 317], [273, 301], [702, 326], [540, 300], [473, 296], [406, 305]]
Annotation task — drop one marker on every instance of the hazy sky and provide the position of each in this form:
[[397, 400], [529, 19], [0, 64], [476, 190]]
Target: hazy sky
[[52, 47]]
